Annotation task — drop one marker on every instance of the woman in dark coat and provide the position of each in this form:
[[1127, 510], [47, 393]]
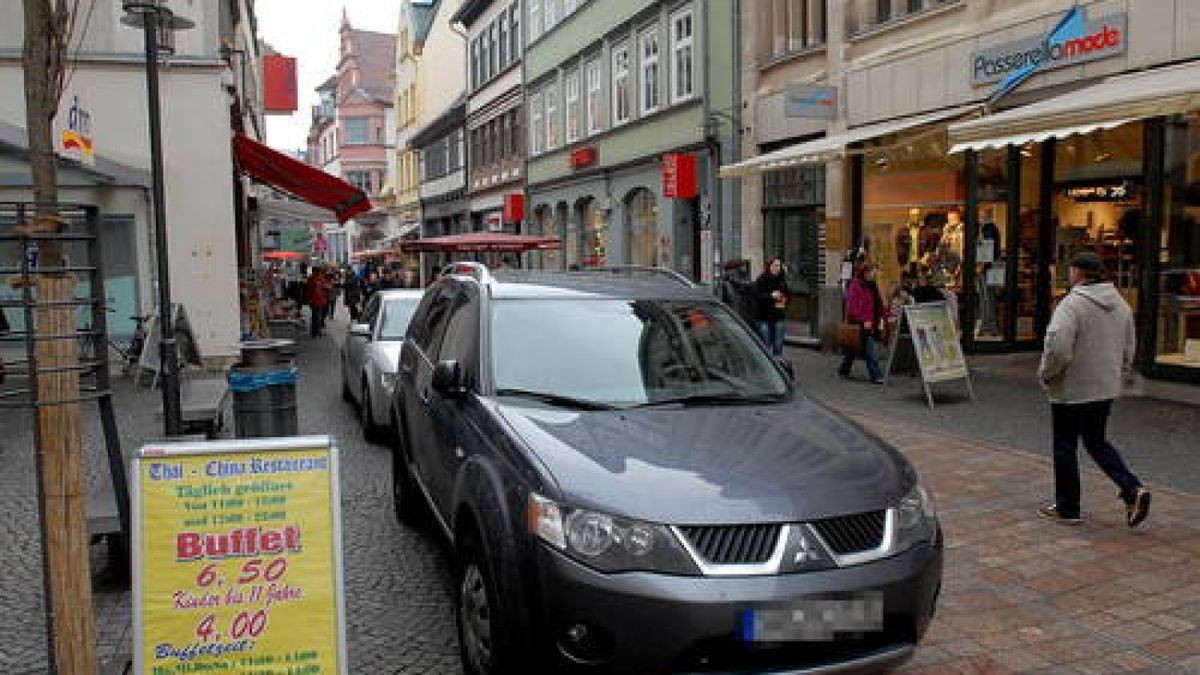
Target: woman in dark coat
[[771, 296]]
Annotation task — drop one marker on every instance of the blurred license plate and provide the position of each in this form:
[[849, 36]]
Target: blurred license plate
[[813, 619]]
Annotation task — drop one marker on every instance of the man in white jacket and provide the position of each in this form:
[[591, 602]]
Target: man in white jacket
[[1088, 353]]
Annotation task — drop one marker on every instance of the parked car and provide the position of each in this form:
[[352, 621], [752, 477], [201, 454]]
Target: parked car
[[370, 353], [631, 484]]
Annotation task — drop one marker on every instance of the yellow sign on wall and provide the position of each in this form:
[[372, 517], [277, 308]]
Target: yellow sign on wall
[[237, 558]]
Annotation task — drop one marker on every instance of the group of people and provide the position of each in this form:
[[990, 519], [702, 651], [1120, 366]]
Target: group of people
[[325, 284]]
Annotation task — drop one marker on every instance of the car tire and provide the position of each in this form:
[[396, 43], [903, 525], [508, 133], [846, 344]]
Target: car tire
[[483, 631], [347, 395], [372, 432]]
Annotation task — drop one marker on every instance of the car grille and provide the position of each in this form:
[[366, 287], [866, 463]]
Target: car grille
[[852, 534], [733, 544]]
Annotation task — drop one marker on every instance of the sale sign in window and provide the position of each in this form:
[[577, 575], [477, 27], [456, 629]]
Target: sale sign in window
[[237, 558]]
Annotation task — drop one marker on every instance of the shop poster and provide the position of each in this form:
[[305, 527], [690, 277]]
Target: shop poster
[[935, 340], [237, 558]]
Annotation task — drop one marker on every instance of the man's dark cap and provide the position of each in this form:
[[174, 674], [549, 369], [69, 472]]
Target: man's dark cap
[[1089, 263]]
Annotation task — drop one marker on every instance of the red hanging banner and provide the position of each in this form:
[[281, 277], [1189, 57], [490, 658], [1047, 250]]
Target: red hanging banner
[[514, 207], [679, 176], [279, 84]]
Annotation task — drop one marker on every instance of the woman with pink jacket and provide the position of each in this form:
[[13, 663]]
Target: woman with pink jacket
[[864, 307]]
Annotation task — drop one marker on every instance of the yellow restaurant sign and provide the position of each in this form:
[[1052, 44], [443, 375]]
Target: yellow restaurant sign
[[237, 558]]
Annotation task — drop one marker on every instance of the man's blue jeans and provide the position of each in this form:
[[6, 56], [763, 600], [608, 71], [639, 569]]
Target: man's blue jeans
[[1072, 422], [771, 333]]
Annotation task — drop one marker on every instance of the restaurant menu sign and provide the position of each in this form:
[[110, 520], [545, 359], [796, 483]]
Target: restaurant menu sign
[[237, 558]]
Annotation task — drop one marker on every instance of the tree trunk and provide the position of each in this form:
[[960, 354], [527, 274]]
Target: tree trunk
[[63, 497]]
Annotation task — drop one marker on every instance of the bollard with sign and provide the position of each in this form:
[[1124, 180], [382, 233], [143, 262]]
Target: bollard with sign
[[237, 557]]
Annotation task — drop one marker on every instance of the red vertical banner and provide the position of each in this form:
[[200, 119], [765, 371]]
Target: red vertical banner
[[514, 208], [279, 84], [679, 176]]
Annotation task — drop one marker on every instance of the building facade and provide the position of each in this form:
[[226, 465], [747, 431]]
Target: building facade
[[495, 114], [627, 105], [353, 132], [413, 29], [105, 100], [979, 146]]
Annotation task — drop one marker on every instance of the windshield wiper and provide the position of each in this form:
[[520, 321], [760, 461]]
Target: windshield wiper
[[703, 399], [557, 399]]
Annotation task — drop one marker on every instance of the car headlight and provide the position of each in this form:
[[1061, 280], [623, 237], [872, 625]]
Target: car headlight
[[916, 519], [388, 382], [607, 542]]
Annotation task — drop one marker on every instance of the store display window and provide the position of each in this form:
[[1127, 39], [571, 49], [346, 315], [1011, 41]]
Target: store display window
[[913, 194], [1178, 299], [994, 305], [1099, 205], [594, 232]]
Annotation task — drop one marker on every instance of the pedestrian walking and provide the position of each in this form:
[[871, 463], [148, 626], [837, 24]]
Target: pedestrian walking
[[1087, 355], [771, 297], [864, 307], [352, 292], [316, 294]]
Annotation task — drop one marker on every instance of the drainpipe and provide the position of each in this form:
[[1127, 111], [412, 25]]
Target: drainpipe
[[714, 155]]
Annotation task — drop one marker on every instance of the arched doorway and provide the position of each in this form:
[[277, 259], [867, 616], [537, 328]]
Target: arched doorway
[[593, 225], [641, 220], [542, 225]]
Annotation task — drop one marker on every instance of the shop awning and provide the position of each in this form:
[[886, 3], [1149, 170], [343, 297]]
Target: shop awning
[[822, 150], [299, 179], [285, 209], [483, 242], [1109, 103]]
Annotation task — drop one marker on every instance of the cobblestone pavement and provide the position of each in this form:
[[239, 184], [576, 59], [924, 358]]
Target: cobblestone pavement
[[1020, 595]]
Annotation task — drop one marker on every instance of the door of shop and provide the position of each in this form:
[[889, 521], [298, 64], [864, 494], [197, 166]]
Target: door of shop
[[1034, 207], [793, 208]]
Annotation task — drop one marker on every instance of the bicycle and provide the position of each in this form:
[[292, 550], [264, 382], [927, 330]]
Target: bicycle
[[131, 353]]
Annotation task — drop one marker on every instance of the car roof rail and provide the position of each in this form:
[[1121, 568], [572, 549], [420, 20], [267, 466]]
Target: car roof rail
[[643, 270], [469, 268]]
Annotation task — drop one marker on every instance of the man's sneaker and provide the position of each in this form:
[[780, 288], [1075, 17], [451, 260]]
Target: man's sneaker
[[1051, 512], [1135, 513]]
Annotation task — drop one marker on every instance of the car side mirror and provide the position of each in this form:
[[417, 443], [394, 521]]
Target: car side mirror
[[787, 367], [448, 379], [361, 330]]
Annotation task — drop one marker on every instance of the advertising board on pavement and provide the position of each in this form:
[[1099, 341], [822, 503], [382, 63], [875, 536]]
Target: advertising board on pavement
[[237, 557]]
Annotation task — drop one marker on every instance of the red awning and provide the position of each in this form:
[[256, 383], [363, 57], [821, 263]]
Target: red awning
[[299, 179], [483, 242]]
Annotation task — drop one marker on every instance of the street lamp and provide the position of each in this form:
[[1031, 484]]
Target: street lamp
[[158, 24]]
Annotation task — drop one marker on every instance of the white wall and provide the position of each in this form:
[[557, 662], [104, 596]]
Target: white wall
[[197, 163], [442, 73]]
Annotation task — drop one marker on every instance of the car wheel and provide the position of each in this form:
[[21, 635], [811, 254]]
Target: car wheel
[[482, 630], [372, 432]]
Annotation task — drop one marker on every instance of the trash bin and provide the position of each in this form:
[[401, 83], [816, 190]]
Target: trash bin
[[264, 390]]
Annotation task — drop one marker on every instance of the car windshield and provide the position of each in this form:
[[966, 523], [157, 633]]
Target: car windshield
[[396, 314], [628, 353]]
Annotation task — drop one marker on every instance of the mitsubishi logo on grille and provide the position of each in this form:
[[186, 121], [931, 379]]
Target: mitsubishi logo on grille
[[803, 552]]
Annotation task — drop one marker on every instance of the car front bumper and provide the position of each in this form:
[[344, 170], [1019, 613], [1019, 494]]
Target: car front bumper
[[655, 623]]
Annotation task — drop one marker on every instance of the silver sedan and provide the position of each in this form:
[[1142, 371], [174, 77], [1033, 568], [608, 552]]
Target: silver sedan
[[370, 355]]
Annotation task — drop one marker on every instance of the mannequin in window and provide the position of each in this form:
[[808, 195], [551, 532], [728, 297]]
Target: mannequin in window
[[949, 249], [989, 250], [908, 243]]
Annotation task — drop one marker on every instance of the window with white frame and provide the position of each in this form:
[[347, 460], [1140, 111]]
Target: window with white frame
[[535, 19], [493, 52], [620, 84], [591, 71], [502, 39], [514, 30], [537, 133], [683, 85], [550, 97], [476, 80], [648, 65], [571, 84]]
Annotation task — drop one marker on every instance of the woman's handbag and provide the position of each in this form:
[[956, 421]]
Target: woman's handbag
[[849, 337]]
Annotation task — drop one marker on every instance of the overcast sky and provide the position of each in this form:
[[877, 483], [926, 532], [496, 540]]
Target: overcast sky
[[308, 30]]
